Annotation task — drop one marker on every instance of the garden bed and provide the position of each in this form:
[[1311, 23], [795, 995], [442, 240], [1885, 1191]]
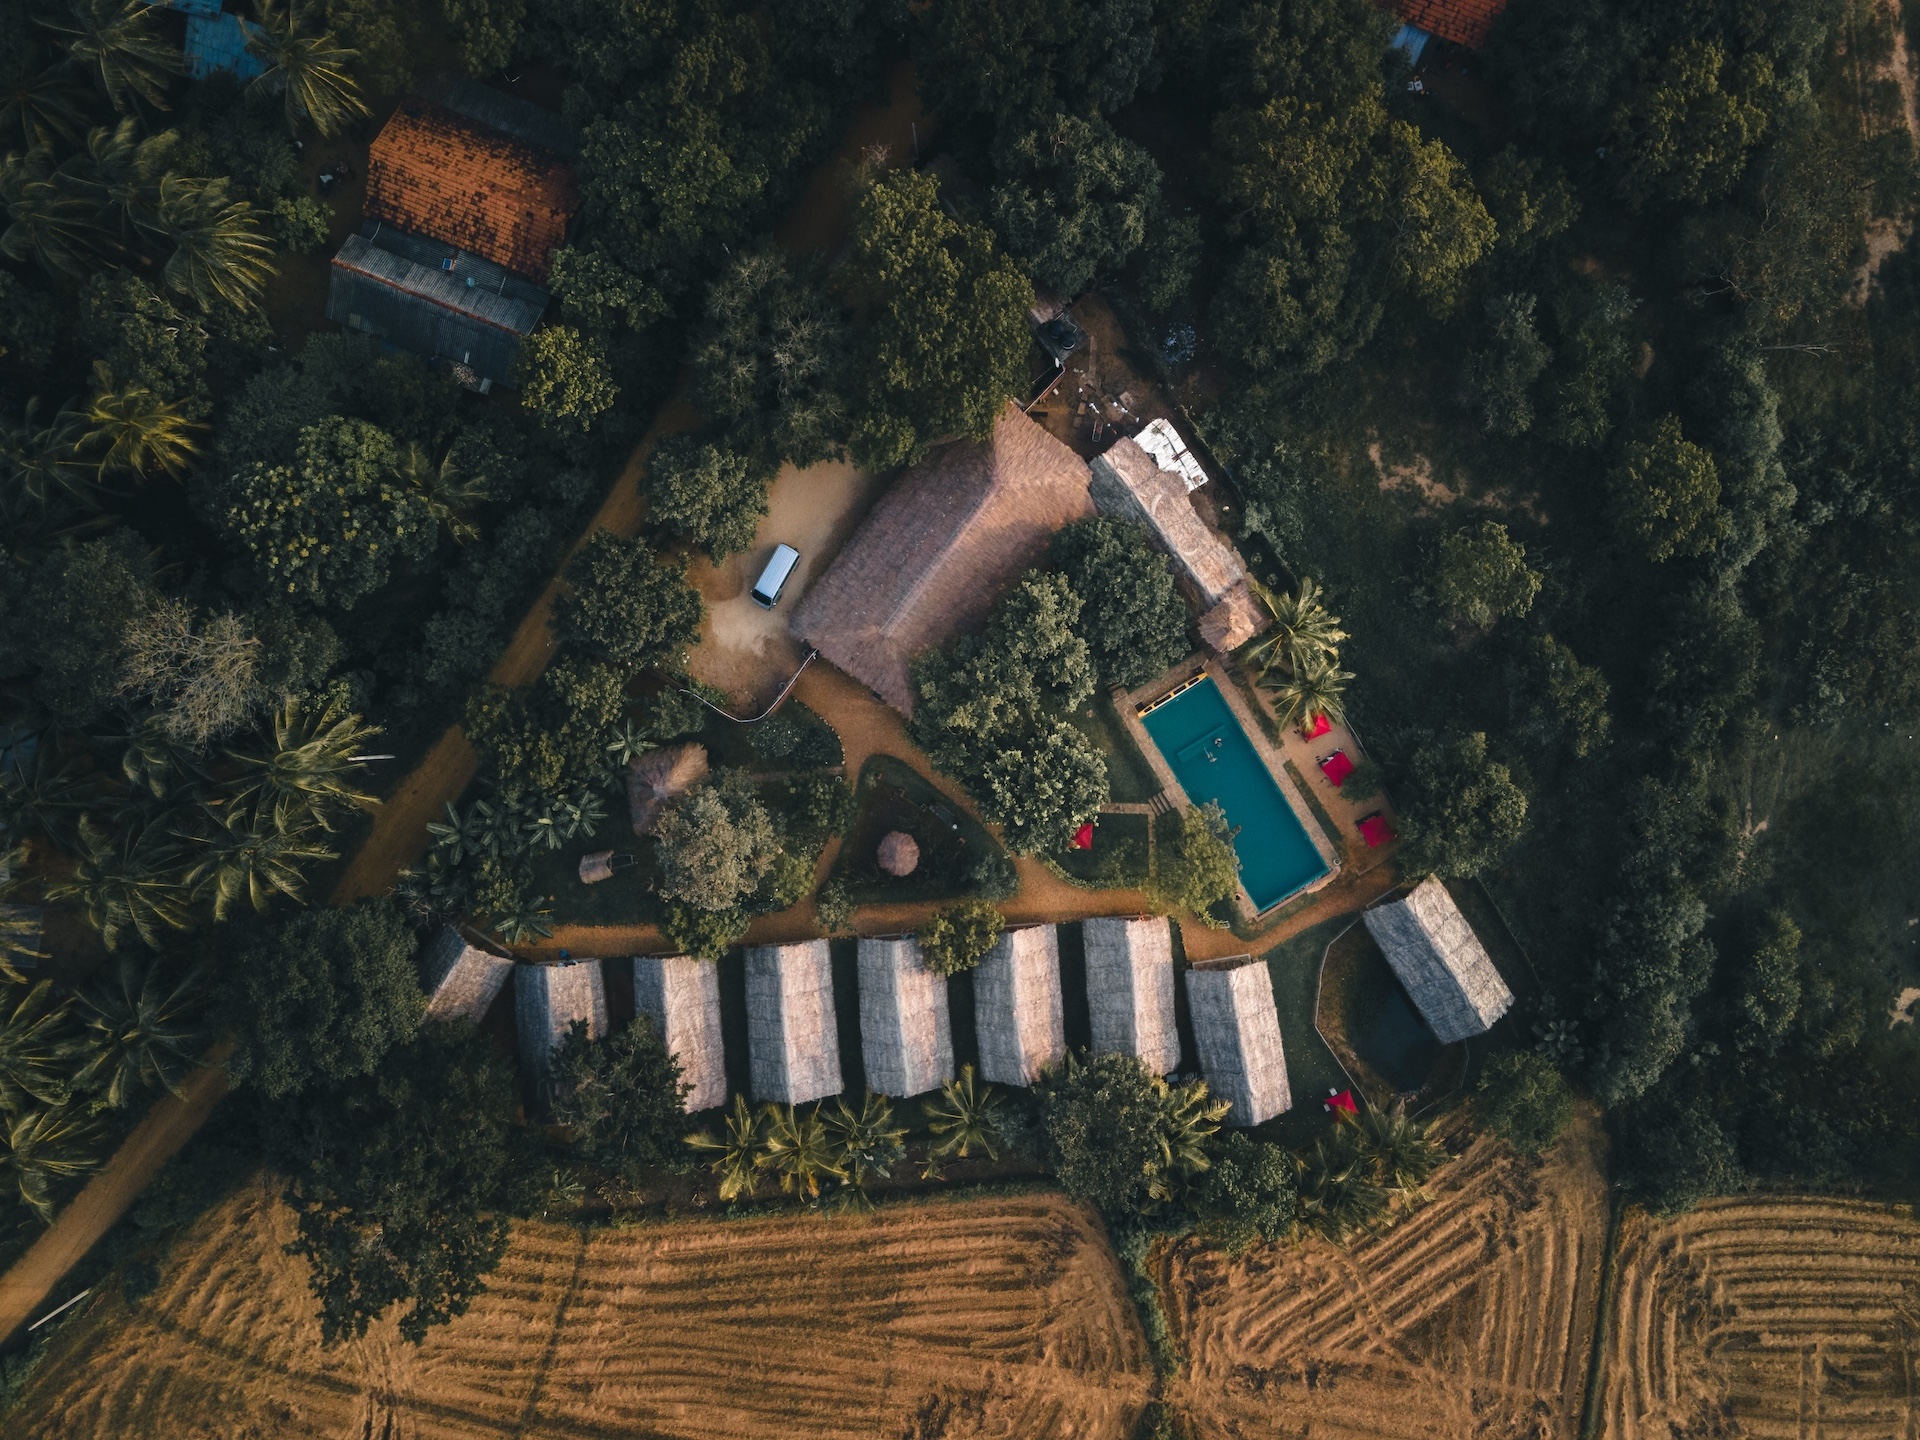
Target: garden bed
[[1121, 857], [893, 796]]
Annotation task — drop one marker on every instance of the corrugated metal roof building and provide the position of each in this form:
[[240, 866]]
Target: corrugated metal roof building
[[431, 299]]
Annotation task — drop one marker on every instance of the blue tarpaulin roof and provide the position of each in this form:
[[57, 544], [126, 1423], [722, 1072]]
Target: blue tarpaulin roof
[[217, 43], [1413, 40]]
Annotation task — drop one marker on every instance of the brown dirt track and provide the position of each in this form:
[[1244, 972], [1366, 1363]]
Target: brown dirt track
[[1472, 1317], [984, 1317], [1768, 1317]]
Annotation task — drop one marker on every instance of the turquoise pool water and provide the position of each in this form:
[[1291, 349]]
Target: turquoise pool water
[[1212, 759]]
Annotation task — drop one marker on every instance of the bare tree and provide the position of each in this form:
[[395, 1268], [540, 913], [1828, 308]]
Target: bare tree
[[204, 681]]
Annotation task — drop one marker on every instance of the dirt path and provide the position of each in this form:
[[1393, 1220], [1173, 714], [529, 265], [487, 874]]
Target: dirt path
[[25, 1288]]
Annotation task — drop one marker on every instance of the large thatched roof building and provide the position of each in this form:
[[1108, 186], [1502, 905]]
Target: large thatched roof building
[[1446, 970], [1238, 1032], [547, 1001], [1130, 990], [681, 996], [943, 543], [906, 1041], [1016, 1006], [461, 979], [793, 1045]]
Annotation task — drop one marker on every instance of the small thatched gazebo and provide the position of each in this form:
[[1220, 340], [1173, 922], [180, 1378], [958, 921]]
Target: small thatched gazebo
[[899, 853], [1130, 990], [1016, 1006], [659, 777], [461, 979], [793, 1043], [906, 1041], [1238, 1032], [547, 1000], [1446, 970], [682, 997]]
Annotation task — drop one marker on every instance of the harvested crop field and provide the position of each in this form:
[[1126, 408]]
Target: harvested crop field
[[1783, 1316], [1473, 1316], [998, 1316]]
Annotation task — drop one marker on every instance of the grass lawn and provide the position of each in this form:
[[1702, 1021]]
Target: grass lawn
[[1311, 1067], [1128, 775], [893, 796], [730, 743]]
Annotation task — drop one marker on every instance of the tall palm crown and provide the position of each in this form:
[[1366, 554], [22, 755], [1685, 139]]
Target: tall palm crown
[[965, 1116], [50, 221], [45, 105], [133, 430], [39, 1147], [1403, 1153], [868, 1141], [221, 255], [306, 69], [37, 1047], [1338, 1196], [736, 1150], [1304, 630], [1309, 691], [126, 880], [118, 44], [140, 1030], [248, 857], [305, 770], [799, 1149]]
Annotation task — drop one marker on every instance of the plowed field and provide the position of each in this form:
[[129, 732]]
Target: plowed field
[[1472, 1317], [990, 1317], [1785, 1317]]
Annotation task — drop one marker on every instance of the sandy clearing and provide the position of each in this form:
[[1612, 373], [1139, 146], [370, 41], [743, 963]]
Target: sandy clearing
[[1777, 1316], [982, 1317], [1471, 1317]]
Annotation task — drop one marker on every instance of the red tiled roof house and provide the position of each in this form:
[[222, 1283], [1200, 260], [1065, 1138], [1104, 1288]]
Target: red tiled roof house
[[1459, 22]]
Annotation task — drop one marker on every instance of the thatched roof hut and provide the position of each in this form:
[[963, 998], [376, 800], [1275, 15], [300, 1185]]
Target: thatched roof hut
[[1130, 990], [1128, 483], [899, 853], [906, 1042], [461, 979], [1238, 1032], [659, 777], [547, 1000], [943, 543], [682, 996], [793, 1045], [1446, 970], [1234, 621], [1016, 1006]]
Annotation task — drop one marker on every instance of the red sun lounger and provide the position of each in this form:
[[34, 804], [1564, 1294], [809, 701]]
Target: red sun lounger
[[1375, 830], [1336, 767]]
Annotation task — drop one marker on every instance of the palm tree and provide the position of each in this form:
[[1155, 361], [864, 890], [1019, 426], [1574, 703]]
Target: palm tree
[[39, 461], [40, 1146], [141, 1031], [114, 174], [1338, 1197], [37, 1047], [1303, 630], [221, 255], [19, 936], [46, 797], [135, 431], [737, 1150], [248, 857], [528, 921], [50, 220], [1402, 1152], [119, 45], [1311, 690], [449, 494], [305, 770], [307, 70], [800, 1150], [1191, 1119], [966, 1116], [47, 106], [156, 760], [126, 879], [868, 1142]]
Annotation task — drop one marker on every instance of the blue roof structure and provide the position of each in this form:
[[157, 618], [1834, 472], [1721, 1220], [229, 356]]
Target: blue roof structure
[[217, 44], [1412, 39]]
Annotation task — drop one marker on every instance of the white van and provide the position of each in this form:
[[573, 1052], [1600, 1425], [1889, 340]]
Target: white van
[[766, 590]]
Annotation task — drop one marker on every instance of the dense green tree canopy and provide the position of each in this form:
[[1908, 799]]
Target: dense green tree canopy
[[1131, 617], [620, 1098], [716, 845], [711, 494], [958, 937], [1666, 494], [626, 606], [1524, 1100], [1483, 576], [1466, 810], [1121, 1138]]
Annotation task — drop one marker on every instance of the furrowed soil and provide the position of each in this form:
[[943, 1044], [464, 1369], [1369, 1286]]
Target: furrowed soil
[[1471, 1317], [1001, 1316], [1768, 1317]]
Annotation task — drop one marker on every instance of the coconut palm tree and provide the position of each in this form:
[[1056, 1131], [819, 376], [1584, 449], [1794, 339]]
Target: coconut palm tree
[[221, 254], [156, 760], [450, 495], [867, 1141], [114, 173], [246, 856], [19, 935], [41, 1146], [799, 1149], [306, 68], [47, 796], [39, 461], [126, 879], [1303, 632], [140, 1031], [37, 1047], [1339, 1198], [47, 106], [1311, 690], [966, 1116], [134, 431], [736, 1150], [1401, 1152], [305, 768], [1190, 1120], [50, 220], [118, 44]]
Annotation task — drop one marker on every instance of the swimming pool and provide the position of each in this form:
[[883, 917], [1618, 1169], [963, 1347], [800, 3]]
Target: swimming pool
[[1213, 759]]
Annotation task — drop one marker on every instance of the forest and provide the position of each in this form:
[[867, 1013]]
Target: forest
[[1573, 382]]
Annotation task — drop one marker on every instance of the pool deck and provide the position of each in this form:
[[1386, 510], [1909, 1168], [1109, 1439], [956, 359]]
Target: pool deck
[[1128, 702]]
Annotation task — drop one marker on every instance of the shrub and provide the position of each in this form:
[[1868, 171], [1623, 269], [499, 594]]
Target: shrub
[[620, 1096], [833, 907], [1250, 1193], [1199, 870], [628, 607], [959, 937], [1131, 616], [994, 877], [819, 808], [1121, 1138], [1524, 1100]]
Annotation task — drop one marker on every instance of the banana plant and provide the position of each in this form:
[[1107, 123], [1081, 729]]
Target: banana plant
[[736, 1150], [868, 1141], [798, 1148], [966, 1117]]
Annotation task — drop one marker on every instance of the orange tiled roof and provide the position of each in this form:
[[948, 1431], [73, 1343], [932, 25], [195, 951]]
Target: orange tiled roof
[[442, 175], [1464, 22]]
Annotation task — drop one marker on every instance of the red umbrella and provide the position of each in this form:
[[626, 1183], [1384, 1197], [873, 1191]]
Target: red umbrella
[[1083, 837], [1343, 1103]]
